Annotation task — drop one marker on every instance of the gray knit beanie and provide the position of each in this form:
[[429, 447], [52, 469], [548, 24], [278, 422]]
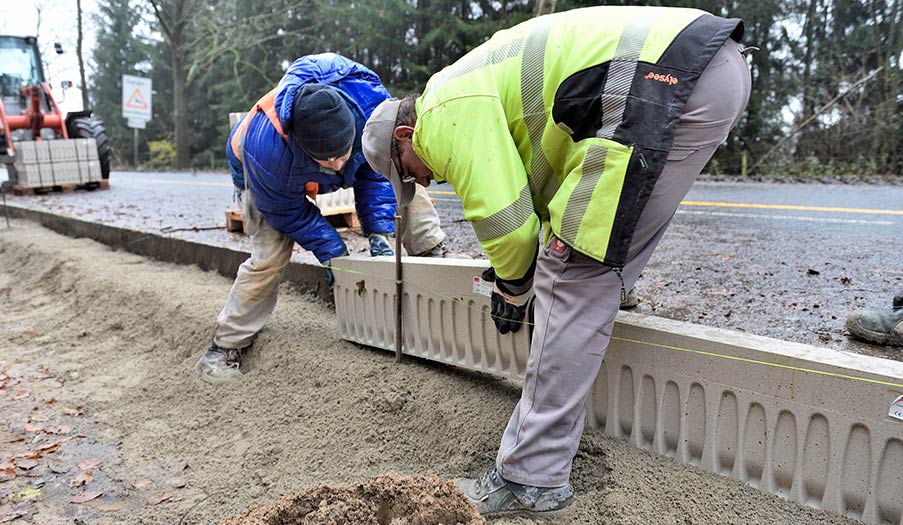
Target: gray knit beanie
[[322, 122]]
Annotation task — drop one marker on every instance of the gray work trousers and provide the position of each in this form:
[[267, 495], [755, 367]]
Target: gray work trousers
[[253, 295], [577, 297]]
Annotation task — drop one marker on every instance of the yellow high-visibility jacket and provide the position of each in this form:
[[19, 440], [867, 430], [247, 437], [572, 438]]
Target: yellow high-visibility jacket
[[565, 119]]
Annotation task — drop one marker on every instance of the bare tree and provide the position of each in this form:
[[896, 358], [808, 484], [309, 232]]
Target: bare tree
[[544, 7], [80, 55], [174, 16]]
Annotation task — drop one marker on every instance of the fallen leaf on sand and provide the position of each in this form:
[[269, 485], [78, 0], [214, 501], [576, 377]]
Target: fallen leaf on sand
[[177, 482], [24, 495], [39, 453], [106, 506], [33, 428], [83, 478], [89, 464], [32, 333], [26, 464], [158, 497], [86, 496], [7, 516], [16, 440], [142, 484], [58, 468], [22, 394]]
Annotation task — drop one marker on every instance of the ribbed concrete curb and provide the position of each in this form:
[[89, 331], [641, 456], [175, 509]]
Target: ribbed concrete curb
[[805, 423], [225, 261]]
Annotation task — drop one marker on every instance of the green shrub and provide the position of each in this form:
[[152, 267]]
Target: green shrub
[[162, 154]]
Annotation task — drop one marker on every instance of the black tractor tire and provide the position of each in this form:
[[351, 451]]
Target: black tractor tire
[[92, 128]]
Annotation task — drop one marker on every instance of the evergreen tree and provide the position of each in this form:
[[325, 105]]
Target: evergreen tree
[[116, 52]]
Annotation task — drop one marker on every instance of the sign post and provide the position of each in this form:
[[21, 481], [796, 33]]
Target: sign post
[[136, 105]]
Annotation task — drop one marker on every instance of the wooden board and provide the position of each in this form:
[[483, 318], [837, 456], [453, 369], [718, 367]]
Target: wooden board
[[19, 189], [235, 221], [340, 219]]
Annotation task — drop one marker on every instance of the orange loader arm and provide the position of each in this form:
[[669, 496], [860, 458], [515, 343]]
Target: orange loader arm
[[33, 118]]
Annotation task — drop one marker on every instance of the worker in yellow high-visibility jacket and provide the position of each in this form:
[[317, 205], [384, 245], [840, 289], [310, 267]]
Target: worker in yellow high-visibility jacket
[[592, 123]]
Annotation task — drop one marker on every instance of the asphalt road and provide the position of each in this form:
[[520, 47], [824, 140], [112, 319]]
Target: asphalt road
[[775, 259]]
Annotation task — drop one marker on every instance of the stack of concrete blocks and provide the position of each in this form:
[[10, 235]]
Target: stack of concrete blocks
[[57, 162], [813, 425]]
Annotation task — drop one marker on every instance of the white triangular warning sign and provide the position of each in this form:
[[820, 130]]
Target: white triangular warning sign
[[136, 101]]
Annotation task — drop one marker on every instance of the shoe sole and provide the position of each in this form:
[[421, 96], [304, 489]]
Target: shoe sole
[[523, 513]]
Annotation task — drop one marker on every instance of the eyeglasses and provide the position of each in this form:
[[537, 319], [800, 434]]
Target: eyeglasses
[[400, 168]]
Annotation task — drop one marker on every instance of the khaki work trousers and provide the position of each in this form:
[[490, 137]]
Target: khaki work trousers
[[253, 295], [577, 297]]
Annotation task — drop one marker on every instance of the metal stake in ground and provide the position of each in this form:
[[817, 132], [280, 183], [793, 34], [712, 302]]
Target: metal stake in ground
[[5, 208], [399, 284]]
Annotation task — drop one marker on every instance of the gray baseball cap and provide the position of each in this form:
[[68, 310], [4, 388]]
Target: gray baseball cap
[[377, 145]]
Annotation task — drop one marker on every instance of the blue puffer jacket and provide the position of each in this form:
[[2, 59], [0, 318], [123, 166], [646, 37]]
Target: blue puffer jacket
[[278, 169]]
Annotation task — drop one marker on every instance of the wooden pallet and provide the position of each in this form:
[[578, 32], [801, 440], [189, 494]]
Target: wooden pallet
[[235, 220], [19, 189], [346, 218]]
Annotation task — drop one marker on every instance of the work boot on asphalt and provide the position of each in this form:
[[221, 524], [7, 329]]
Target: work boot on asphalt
[[492, 495], [439, 250], [884, 327], [631, 301], [221, 365]]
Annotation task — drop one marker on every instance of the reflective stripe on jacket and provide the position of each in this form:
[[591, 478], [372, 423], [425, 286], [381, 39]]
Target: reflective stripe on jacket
[[567, 120]]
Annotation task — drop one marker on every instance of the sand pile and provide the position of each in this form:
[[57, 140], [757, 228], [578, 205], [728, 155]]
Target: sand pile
[[386, 500]]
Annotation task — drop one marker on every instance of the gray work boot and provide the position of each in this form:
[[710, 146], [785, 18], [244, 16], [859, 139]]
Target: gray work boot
[[221, 365], [492, 495], [630, 301], [439, 250], [884, 327]]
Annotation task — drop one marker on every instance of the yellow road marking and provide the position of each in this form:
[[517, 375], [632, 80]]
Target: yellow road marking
[[788, 207]]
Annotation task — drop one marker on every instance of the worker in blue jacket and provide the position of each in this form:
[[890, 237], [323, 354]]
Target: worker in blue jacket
[[300, 140]]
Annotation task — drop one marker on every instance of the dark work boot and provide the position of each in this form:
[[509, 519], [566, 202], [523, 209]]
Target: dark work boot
[[631, 300], [493, 495], [221, 365], [884, 327]]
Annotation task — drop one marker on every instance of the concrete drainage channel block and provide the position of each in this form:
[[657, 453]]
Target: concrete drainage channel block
[[805, 423], [339, 201], [444, 318]]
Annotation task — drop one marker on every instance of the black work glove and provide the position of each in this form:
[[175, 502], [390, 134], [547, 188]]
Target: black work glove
[[510, 299]]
